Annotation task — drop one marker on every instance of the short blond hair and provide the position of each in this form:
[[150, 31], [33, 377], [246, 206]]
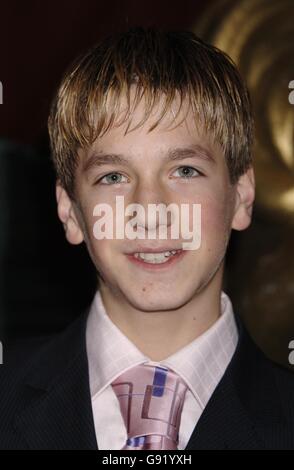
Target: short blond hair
[[161, 64]]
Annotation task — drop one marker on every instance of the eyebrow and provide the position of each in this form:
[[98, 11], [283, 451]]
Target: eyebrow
[[173, 154], [189, 152]]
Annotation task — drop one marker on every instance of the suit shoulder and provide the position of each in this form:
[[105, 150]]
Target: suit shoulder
[[30, 367], [283, 376], [285, 382], [18, 356]]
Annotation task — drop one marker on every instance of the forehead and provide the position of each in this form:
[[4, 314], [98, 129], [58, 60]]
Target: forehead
[[139, 127]]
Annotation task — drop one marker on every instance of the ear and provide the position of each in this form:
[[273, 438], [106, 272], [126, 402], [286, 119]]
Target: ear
[[245, 193], [66, 213]]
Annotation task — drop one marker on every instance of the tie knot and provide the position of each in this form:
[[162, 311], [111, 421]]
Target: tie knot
[[151, 399]]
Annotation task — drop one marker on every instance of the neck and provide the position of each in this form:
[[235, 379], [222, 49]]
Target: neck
[[151, 332]]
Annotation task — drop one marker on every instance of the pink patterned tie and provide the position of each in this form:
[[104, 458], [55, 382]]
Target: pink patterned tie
[[151, 400]]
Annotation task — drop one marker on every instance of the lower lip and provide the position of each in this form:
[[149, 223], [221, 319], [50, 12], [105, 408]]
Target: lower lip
[[157, 266]]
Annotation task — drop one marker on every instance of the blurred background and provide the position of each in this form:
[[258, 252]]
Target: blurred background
[[44, 282]]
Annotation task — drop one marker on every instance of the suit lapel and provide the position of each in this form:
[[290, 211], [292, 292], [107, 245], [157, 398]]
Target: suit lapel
[[224, 424], [57, 412], [244, 406]]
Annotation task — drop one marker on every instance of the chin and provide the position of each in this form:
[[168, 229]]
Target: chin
[[154, 301]]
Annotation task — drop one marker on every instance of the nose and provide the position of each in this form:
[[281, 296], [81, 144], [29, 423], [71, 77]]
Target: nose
[[151, 200]]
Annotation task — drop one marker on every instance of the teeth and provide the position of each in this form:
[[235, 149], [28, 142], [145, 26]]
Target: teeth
[[154, 258]]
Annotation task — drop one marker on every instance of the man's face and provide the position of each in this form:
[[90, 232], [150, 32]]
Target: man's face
[[197, 174]]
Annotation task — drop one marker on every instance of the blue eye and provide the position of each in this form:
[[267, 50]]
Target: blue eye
[[187, 172], [111, 178]]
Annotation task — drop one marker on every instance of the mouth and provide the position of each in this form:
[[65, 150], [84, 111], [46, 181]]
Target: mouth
[[156, 259]]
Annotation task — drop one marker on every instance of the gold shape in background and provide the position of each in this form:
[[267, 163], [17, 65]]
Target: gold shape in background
[[259, 36]]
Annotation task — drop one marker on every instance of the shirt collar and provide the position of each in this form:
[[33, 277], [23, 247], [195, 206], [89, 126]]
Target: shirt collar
[[201, 363]]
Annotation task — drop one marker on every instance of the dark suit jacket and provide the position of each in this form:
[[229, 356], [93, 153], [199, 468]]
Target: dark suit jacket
[[45, 399]]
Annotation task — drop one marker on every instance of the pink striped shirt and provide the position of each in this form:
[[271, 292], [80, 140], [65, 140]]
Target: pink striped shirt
[[201, 364]]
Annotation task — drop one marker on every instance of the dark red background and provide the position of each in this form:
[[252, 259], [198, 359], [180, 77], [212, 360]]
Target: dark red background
[[39, 39]]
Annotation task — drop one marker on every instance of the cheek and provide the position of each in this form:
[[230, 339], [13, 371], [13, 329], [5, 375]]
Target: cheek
[[97, 248], [102, 253], [215, 224]]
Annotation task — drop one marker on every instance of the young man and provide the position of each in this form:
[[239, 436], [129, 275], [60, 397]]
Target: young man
[[160, 361]]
